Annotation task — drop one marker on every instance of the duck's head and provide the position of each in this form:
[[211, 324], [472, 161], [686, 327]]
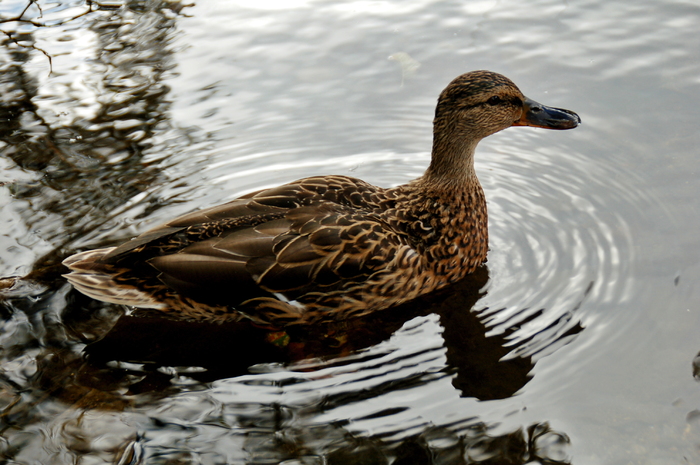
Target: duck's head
[[480, 103], [476, 105]]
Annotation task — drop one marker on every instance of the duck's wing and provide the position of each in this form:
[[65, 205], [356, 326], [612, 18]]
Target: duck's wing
[[309, 249], [281, 243], [254, 208]]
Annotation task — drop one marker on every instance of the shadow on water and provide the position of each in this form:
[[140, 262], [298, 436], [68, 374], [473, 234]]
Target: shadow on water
[[224, 351], [229, 350]]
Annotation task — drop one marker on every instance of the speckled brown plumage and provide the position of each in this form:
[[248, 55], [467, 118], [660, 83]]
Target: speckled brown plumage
[[329, 247]]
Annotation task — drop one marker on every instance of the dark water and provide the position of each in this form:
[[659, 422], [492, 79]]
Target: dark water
[[575, 344]]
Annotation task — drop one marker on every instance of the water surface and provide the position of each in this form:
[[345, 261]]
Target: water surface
[[575, 344]]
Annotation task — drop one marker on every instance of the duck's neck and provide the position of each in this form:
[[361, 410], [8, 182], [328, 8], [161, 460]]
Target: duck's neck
[[452, 163]]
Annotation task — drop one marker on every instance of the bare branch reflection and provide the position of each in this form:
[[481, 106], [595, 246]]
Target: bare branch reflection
[[89, 157]]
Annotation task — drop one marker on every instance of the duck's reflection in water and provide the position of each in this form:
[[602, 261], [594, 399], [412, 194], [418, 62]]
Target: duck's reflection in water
[[479, 362]]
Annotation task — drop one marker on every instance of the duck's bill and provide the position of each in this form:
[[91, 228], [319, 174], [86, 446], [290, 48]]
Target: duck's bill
[[541, 116]]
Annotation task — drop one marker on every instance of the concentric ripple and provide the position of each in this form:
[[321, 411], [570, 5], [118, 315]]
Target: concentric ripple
[[559, 242], [558, 238]]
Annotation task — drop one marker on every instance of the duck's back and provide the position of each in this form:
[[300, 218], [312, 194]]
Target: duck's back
[[317, 249]]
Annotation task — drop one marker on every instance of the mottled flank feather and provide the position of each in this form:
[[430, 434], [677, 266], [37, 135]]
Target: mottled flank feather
[[324, 248]]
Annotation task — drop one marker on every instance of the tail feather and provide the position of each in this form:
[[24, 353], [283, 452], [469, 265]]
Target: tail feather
[[85, 261], [94, 280]]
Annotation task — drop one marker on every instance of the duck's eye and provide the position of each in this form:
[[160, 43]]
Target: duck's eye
[[495, 100]]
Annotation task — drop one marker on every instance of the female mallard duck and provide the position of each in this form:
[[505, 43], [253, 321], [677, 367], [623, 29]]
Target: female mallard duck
[[329, 247]]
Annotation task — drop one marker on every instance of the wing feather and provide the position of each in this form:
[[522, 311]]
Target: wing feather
[[284, 242], [204, 270], [297, 251]]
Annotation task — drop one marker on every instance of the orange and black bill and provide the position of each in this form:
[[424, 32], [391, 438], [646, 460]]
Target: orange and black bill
[[541, 116]]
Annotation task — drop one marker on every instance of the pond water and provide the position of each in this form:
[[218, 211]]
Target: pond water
[[577, 343]]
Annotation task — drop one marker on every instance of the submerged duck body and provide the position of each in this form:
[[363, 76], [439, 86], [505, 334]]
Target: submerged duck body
[[325, 248]]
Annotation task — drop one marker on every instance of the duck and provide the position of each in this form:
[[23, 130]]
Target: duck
[[325, 248]]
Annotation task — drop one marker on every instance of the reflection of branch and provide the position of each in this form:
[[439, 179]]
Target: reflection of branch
[[21, 19], [33, 47], [32, 2]]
